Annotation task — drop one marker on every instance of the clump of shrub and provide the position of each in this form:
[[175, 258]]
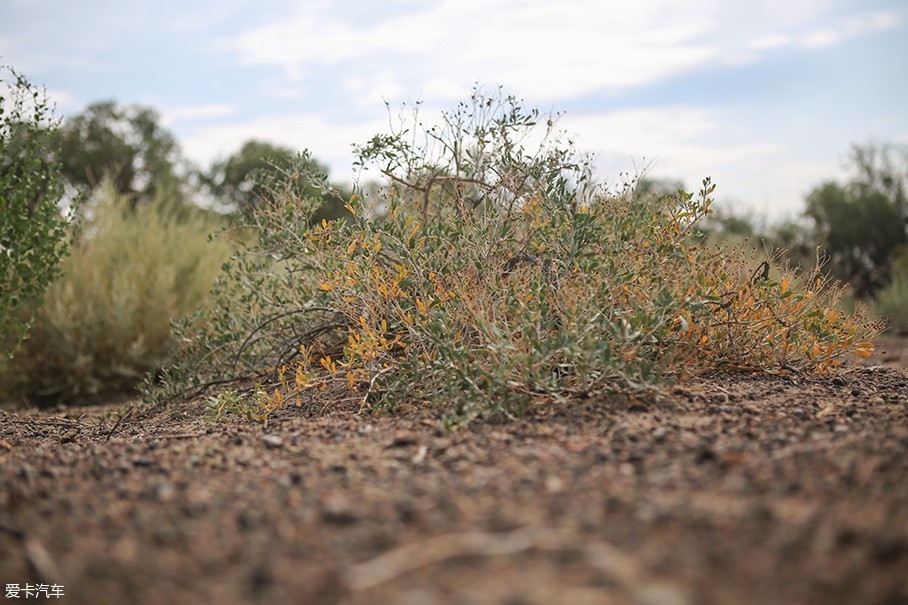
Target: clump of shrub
[[892, 300], [32, 229], [494, 272], [105, 322]]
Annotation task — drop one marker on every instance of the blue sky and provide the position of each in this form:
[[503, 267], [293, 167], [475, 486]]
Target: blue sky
[[764, 96]]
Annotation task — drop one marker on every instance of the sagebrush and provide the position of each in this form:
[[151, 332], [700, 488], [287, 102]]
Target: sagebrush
[[105, 322], [892, 301], [493, 271]]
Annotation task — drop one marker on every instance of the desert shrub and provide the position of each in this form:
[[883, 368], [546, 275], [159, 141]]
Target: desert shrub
[[892, 300], [32, 229], [105, 322], [494, 272]]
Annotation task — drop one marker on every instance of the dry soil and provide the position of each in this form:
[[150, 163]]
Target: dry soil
[[726, 489]]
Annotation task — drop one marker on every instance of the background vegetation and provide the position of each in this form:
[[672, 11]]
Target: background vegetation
[[487, 268], [105, 322]]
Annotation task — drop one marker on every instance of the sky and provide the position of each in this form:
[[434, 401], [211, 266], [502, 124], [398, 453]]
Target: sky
[[766, 97]]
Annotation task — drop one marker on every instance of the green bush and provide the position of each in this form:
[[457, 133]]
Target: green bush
[[892, 301], [106, 322], [32, 230], [492, 273]]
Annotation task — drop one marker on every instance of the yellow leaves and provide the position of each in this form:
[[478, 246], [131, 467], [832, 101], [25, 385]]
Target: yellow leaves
[[326, 287], [329, 364], [680, 323], [864, 349], [349, 206], [769, 325], [389, 287]]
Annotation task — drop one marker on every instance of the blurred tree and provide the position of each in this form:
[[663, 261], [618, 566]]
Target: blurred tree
[[32, 231], [125, 144], [240, 181], [861, 225], [648, 188], [248, 175], [793, 240], [732, 223]]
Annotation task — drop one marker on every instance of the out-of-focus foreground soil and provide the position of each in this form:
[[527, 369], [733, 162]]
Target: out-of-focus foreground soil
[[726, 489]]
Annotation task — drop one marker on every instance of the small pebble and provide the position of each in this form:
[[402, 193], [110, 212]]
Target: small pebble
[[272, 441]]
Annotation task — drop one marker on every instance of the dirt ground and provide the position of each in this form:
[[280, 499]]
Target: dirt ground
[[726, 489]]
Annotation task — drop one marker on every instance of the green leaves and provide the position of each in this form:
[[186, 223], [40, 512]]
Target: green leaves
[[33, 231]]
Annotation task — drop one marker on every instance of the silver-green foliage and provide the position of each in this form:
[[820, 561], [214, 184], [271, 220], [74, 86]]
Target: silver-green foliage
[[491, 273], [33, 232]]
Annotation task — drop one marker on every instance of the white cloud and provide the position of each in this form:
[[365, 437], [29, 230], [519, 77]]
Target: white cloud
[[61, 99], [635, 132], [688, 141], [196, 112], [822, 38], [544, 50], [368, 89], [770, 42], [751, 173], [847, 29]]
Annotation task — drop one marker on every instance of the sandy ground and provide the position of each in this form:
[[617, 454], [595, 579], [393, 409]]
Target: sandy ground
[[727, 489]]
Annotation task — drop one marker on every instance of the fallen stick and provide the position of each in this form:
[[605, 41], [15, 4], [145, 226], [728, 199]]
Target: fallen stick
[[411, 557]]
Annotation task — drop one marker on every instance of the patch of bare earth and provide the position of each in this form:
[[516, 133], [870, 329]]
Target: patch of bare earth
[[727, 489]]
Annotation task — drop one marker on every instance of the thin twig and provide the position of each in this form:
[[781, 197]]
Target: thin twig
[[117, 424], [372, 385], [178, 436], [291, 349], [266, 323]]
